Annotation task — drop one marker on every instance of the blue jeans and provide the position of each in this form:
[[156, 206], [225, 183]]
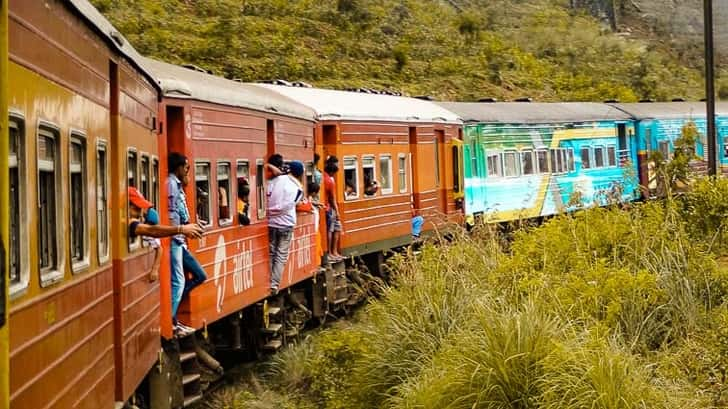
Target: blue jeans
[[183, 261], [279, 243]]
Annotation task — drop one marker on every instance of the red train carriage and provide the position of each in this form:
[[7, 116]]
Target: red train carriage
[[83, 316], [227, 130], [402, 143]]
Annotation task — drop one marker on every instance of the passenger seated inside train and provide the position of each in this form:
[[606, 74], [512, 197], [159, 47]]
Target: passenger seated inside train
[[371, 187], [243, 202], [349, 192]]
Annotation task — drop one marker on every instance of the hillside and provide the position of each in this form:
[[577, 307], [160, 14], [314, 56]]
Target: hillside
[[454, 49]]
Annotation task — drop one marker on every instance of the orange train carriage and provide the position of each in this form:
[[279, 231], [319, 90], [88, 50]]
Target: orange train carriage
[[83, 317]]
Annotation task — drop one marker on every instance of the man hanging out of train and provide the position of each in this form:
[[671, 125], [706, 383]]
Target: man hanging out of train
[[333, 223], [283, 194], [144, 222], [181, 259]]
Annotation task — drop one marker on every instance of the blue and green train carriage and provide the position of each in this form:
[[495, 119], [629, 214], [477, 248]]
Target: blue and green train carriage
[[525, 160]]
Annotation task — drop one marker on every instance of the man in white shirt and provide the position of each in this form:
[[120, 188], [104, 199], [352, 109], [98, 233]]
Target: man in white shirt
[[283, 194]]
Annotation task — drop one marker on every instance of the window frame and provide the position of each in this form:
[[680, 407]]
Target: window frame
[[145, 176], [156, 179], [613, 148], [373, 167], [517, 162], [229, 220], [238, 164], [135, 244], [260, 189], [355, 168], [50, 276], [500, 172], [571, 161], [402, 172], [103, 146], [78, 137], [438, 182], [210, 222], [538, 161], [666, 154], [20, 287], [589, 152], [390, 190]]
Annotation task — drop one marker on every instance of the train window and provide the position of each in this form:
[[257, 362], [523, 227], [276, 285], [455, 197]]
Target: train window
[[455, 169], [542, 159], [131, 169], [385, 173], [585, 158], [351, 178], [79, 242], [511, 164], [260, 187], [224, 194], [598, 156], [570, 159], [102, 202], [146, 178], [16, 164], [243, 200], [494, 165], [527, 162], [664, 148], [48, 187], [402, 171], [202, 192], [473, 160], [725, 147], [155, 181], [611, 155], [370, 177]]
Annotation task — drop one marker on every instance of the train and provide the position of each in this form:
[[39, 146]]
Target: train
[[86, 117]]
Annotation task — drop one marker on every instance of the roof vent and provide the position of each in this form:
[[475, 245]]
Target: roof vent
[[301, 84], [611, 101], [646, 100], [195, 68], [425, 97], [488, 100], [117, 37], [276, 82], [678, 100], [524, 99]]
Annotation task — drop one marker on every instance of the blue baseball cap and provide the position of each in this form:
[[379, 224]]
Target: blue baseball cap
[[296, 168]]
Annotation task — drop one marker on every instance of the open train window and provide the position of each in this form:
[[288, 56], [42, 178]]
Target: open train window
[[586, 158], [351, 178], [49, 159], [243, 198], [155, 181], [402, 171], [570, 159], [542, 160], [202, 192], [102, 202], [494, 165], [527, 162], [79, 228], [370, 178], [18, 280], [132, 171], [385, 173], [146, 178], [224, 194], [598, 156], [260, 187], [511, 164], [611, 155], [562, 162]]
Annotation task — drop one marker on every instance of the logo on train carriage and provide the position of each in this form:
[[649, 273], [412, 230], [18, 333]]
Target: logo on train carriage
[[300, 252], [241, 270]]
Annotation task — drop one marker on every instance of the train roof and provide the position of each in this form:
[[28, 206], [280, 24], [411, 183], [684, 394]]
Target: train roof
[[185, 83], [670, 110], [348, 105], [112, 37], [534, 112]]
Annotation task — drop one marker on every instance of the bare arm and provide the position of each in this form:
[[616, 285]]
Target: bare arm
[[154, 274], [190, 230]]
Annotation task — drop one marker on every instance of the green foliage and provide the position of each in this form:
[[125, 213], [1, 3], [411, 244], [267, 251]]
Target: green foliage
[[674, 174], [498, 48]]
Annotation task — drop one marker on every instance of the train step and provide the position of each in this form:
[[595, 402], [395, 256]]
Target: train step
[[340, 301], [273, 328], [274, 310], [273, 345], [291, 332], [191, 400], [187, 355]]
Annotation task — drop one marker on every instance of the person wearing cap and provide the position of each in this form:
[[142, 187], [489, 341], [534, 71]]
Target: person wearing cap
[[144, 222], [283, 193]]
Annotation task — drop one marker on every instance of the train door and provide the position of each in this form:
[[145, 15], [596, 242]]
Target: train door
[[623, 147], [413, 166], [440, 172], [458, 182], [4, 206]]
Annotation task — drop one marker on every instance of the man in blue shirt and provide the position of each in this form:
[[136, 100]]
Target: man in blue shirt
[[181, 259]]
